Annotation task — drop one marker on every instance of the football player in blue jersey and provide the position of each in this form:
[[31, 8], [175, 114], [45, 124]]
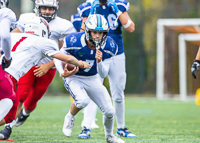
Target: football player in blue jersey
[[116, 13], [97, 49], [76, 20]]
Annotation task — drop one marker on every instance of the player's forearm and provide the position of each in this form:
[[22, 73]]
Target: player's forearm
[[58, 65], [127, 23], [50, 64], [83, 24], [102, 69], [5, 37], [68, 58], [16, 30], [198, 55]]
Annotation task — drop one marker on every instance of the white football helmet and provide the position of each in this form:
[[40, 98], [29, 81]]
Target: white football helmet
[[46, 3], [96, 22], [4, 3], [37, 26]]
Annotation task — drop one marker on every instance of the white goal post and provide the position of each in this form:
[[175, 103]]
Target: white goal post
[[161, 24], [182, 61]]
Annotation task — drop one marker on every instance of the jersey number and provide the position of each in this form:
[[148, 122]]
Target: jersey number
[[17, 43], [90, 62], [111, 20]]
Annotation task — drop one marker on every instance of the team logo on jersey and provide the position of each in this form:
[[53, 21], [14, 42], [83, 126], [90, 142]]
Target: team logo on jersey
[[80, 54], [112, 44], [73, 39]]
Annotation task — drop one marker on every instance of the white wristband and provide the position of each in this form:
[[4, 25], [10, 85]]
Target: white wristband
[[118, 13], [127, 24]]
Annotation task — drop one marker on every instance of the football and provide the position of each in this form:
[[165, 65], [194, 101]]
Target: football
[[70, 67]]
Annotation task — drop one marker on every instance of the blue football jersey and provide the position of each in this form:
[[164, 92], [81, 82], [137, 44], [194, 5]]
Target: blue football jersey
[[76, 20], [115, 29], [75, 44]]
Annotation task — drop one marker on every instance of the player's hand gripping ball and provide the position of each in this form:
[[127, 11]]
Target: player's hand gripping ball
[[70, 67]]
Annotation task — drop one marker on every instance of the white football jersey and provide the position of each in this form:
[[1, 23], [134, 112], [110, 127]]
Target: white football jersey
[[59, 28], [9, 15], [27, 51]]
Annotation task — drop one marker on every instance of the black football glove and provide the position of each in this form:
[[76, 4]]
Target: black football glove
[[195, 66], [5, 63]]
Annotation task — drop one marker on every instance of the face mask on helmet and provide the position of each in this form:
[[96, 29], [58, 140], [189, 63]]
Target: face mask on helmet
[[4, 3], [46, 4], [102, 1], [38, 26], [98, 23]]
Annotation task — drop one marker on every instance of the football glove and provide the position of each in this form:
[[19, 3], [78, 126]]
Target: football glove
[[195, 66], [94, 5], [5, 63], [113, 5]]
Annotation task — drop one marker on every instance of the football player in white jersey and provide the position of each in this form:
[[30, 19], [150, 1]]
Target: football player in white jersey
[[33, 85], [7, 97], [116, 13], [27, 50]]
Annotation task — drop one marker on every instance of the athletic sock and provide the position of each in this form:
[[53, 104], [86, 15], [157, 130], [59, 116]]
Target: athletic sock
[[24, 112], [108, 125], [120, 113]]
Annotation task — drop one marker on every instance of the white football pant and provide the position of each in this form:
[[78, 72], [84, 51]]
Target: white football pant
[[117, 81], [84, 88]]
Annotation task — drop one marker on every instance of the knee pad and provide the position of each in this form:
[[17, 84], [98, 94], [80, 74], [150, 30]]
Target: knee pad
[[110, 112], [82, 103]]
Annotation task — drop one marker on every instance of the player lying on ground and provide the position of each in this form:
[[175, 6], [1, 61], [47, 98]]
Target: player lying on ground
[[27, 50]]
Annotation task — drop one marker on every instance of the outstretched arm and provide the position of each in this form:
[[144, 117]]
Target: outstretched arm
[[71, 60]]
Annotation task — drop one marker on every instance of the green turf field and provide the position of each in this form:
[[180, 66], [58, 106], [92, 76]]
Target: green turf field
[[151, 120]]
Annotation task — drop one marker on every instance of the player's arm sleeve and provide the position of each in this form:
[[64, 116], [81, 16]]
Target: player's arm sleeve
[[5, 37], [58, 63], [103, 67]]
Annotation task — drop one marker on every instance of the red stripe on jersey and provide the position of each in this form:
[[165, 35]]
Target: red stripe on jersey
[[17, 43]]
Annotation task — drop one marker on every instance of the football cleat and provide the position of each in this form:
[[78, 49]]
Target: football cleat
[[124, 132], [6, 132], [113, 139], [85, 133], [21, 119], [68, 126]]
